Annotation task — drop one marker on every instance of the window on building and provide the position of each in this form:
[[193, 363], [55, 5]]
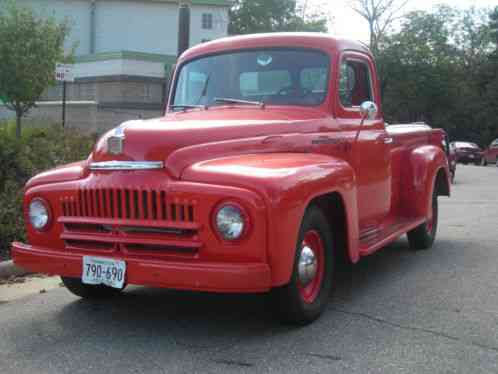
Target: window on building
[[207, 21]]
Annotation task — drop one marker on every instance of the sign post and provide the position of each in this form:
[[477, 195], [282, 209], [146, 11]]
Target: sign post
[[64, 73]]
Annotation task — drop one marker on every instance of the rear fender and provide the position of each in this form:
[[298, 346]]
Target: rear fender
[[288, 182], [426, 163]]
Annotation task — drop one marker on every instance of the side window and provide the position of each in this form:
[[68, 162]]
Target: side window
[[355, 83]]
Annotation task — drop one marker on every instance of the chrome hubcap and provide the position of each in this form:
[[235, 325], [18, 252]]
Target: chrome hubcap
[[307, 266]]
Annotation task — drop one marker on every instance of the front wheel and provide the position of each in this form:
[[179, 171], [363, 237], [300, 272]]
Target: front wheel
[[304, 298], [423, 236], [87, 291]]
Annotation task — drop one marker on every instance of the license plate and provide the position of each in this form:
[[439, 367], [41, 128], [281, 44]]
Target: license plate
[[107, 271]]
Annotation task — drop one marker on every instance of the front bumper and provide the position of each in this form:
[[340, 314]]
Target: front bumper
[[200, 276]]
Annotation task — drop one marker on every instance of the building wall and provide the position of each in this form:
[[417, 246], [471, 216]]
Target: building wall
[[220, 24], [76, 12], [136, 26], [132, 25]]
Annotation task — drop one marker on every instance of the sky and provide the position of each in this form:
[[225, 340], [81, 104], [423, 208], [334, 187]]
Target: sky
[[348, 24]]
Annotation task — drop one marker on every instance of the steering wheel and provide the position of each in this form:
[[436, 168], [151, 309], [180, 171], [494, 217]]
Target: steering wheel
[[286, 91]]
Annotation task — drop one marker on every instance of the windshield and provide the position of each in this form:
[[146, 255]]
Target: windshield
[[269, 76]]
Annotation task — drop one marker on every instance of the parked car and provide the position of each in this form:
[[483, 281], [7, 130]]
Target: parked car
[[467, 152], [490, 154], [269, 165]]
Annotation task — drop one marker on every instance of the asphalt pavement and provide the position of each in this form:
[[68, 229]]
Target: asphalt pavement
[[398, 311]]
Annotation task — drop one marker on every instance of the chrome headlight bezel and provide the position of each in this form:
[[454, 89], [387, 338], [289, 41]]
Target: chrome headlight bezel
[[39, 214], [231, 221]]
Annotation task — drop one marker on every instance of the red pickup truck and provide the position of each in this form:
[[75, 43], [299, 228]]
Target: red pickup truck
[[271, 163]]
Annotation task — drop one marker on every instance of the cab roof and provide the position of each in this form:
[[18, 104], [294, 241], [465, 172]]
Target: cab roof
[[313, 40]]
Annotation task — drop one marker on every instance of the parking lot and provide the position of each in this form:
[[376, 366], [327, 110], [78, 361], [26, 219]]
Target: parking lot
[[398, 311]]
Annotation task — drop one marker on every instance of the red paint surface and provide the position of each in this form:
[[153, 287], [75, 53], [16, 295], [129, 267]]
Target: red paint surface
[[273, 161], [491, 152]]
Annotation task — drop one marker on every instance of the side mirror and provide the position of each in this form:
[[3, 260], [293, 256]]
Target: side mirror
[[368, 110]]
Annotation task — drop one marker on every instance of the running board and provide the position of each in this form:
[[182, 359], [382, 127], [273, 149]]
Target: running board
[[371, 240]]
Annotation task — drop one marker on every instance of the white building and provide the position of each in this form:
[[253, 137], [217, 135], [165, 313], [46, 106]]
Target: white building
[[122, 52]]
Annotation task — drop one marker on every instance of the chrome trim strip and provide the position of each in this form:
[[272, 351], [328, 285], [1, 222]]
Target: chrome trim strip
[[126, 165]]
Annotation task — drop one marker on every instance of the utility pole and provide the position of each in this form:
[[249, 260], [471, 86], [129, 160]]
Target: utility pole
[[63, 104], [183, 27]]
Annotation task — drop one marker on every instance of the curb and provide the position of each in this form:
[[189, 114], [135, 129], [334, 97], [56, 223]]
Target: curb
[[9, 269]]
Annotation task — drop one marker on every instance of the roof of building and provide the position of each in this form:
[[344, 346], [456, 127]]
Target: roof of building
[[285, 39]]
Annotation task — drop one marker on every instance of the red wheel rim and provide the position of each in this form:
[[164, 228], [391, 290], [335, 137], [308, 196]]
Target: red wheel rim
[[310, 291]]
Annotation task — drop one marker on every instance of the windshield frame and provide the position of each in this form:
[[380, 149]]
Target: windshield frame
[[328, 87]]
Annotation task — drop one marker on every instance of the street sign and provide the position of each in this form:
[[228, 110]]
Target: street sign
[[64, 73]]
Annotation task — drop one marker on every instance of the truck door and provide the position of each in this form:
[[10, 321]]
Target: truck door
[[371, 156]]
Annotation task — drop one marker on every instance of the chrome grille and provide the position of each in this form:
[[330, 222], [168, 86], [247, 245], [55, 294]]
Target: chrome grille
[[125, 203]]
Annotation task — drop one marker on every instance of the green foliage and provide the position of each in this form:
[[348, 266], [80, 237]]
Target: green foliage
[[258, 16], [438, 69], [38, 149], [30, 47]]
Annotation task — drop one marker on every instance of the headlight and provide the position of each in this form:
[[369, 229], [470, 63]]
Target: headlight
[[39, 215], [231, 222]]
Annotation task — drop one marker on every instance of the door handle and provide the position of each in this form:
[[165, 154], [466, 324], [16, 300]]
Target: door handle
[[385, 139]]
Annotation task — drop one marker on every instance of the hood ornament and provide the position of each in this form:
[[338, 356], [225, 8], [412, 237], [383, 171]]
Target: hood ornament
[[115, 141]]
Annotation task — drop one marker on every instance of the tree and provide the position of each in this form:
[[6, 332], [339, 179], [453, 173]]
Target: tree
[[437, 70], [258, 16], [30, 47], [493, 25], [380, 14]]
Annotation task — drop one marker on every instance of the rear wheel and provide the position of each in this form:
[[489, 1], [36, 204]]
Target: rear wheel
[[87, 291], [305, 297], [423, 236]]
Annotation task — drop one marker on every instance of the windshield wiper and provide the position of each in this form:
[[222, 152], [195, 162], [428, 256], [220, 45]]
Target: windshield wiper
[[237, 101], [186, 106]]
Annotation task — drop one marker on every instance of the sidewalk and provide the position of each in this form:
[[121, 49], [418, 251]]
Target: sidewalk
[[8, 269], [19, 287]]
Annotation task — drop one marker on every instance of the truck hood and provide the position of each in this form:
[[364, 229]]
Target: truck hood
[[206, 133]]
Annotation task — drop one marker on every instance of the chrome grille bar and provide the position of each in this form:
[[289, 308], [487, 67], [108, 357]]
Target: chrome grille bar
[[126, 165]]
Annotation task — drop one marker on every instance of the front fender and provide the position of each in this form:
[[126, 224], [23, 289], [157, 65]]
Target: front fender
[[425, 164], [288, 182]]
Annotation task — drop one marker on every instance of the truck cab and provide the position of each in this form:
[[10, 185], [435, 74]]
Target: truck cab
[[271, 166]]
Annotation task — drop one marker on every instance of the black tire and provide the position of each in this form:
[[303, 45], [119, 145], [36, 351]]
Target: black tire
[[289, 302], [423, 236], [87, 291]]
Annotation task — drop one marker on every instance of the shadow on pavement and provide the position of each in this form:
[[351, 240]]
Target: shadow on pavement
[[166, 312]]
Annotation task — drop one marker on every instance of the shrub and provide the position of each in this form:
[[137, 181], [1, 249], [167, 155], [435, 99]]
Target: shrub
[[39, 149]]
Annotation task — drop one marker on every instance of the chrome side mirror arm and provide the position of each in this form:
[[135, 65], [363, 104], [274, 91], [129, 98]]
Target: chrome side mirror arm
[[368, 110]]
